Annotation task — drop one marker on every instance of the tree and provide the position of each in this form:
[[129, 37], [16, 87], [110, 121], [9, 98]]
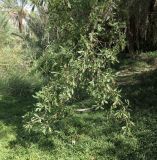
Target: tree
[[17, 11], [86, 37], [141, 24]]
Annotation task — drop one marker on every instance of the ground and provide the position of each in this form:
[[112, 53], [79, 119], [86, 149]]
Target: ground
[[93, 137]]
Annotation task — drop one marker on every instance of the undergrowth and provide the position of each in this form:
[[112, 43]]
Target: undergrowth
[[87, 136]]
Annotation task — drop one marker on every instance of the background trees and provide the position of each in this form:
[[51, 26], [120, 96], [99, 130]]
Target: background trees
[[141, 24], [17, 12]]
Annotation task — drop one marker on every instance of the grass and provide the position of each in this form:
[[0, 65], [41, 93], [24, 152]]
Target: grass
[[89, 136], [92, 136]]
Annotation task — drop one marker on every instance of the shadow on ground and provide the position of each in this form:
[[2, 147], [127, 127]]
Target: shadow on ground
[[141, 90], [12, 110]]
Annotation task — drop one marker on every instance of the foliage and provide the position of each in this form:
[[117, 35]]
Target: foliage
[[83, 62], [16, 78], [75, 48], [5, 31], [16, 11]]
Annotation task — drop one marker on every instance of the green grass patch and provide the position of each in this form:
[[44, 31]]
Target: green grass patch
[[89, 136]]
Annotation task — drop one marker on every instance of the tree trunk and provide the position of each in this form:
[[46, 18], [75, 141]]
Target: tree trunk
[[142, 25]]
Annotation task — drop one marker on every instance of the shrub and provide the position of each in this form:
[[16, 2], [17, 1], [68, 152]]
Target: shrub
[[24, 86]]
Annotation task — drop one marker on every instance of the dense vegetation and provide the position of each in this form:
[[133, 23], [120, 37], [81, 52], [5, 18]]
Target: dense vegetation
[[78, 79]]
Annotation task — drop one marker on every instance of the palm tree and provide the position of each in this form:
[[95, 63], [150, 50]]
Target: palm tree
[[18, 11]]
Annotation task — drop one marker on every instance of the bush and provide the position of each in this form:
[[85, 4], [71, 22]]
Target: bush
[[22, 85], [16, 78]]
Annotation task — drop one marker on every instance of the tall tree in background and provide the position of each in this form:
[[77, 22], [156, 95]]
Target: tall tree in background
[[141, 24], [17, 10]]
